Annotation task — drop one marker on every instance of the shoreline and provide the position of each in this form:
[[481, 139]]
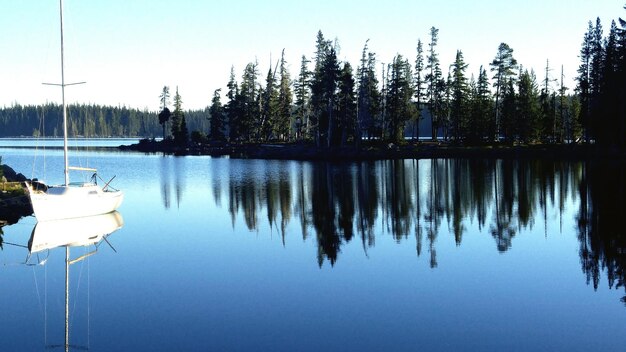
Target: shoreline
[[378, 151], [14, 206], [424, 149]]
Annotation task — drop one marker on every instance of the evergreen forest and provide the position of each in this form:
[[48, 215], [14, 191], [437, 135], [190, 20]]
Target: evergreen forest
[[331, 103], [86, 121]]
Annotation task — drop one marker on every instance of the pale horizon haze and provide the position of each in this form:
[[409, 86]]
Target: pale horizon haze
[[127, 50]]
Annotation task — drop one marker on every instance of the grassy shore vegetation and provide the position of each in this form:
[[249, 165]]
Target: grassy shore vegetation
[[10, 182], [331, 103], [11, 189]]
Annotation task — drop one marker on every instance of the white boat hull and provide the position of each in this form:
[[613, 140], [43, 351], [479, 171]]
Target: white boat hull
[[74, 201]]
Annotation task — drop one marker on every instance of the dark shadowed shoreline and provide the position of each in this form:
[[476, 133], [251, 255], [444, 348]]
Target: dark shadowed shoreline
[[377, 151]]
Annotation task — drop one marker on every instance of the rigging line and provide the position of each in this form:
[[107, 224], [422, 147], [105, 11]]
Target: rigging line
[[80, 275], [37, 288], [14, 244], [109, 243]]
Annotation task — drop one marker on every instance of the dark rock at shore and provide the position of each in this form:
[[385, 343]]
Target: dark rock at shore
[[13, 205], [11, 175]]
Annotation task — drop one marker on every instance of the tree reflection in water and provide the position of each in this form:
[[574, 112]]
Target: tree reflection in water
[[167, 167], [600, 223], [402, 198]]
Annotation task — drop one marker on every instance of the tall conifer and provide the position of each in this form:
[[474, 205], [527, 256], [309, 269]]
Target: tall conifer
[[217, 118], [302, 104], [433, 79], [419, 86], [460, 97], [282, 126], [504, 66]]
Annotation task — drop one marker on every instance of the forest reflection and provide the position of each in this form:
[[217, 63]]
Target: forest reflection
[[338, 203]]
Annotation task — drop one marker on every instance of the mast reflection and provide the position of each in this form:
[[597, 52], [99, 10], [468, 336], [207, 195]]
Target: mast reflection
[[78, 232]]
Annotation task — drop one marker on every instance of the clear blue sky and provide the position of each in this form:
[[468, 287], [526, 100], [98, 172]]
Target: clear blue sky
[[127, 50]]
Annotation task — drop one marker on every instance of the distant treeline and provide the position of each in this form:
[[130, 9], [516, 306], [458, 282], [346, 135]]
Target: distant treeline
[[88, 121]]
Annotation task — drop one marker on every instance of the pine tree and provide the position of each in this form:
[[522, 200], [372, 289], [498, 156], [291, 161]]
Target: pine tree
[[546, 125], [419, 86], [330, 83], [269, 108], [382, 123], [528, 126], [176, 117], [399, 94], [434, 79], [346, 106], [610, 126], [595, 82], [324, 91], [363, 119], [508, 114], [446, 106], [165, 114], [479, 125], [179, 124], [232, 108], [504, 66], [469, 136], [621, 77], [584, 78], [282, 126], [375, 96], [248, 102], [217, 116], [565, 129], [368, 95], [318, 96], [183, 136], [460, 97], [302, 104], [575, 129]]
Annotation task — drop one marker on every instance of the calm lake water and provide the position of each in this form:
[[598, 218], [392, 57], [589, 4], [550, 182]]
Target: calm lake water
[[247, 255]]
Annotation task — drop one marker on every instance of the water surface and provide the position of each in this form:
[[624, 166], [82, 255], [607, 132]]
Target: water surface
[[223, 254]]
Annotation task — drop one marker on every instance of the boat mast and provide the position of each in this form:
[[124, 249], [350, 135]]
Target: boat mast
[[65, 157]]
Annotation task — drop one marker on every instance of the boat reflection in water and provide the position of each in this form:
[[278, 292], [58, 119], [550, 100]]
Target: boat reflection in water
[[77, 232]]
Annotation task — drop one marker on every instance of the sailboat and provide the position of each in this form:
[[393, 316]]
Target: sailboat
[[75, 199]]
